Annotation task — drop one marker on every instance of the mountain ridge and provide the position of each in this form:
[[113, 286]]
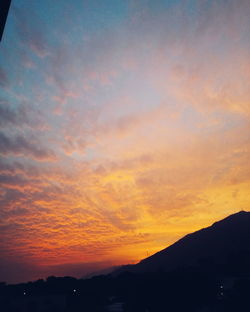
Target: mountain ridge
[[214, 245]]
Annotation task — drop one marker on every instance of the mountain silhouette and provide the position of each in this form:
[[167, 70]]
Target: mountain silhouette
[[223, 247]]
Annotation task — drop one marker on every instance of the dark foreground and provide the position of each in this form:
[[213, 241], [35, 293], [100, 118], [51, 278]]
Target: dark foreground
[[185, 290]]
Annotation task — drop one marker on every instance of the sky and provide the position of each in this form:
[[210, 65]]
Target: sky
[[124, 125]]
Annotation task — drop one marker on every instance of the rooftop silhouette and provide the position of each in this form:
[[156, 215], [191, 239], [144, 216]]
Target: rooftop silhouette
[[4, 9]]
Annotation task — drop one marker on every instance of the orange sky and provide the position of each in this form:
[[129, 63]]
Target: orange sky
[[123, 128]]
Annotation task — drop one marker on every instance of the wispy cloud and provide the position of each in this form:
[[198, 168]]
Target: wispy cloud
[[31, 34], [3, 78], [10, 116], [20, 146]]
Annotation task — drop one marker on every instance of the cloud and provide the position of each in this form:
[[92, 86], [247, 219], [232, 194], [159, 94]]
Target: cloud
[[10, 196], [20, 146], [16, 181], [10, 168], [32, 35], [21, 115], [4, 81], [10, 116]]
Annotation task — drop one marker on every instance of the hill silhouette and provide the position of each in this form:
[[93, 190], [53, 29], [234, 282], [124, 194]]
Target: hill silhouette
[[223, 246]]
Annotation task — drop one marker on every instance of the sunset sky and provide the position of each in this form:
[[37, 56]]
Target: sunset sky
[[125, 124]]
